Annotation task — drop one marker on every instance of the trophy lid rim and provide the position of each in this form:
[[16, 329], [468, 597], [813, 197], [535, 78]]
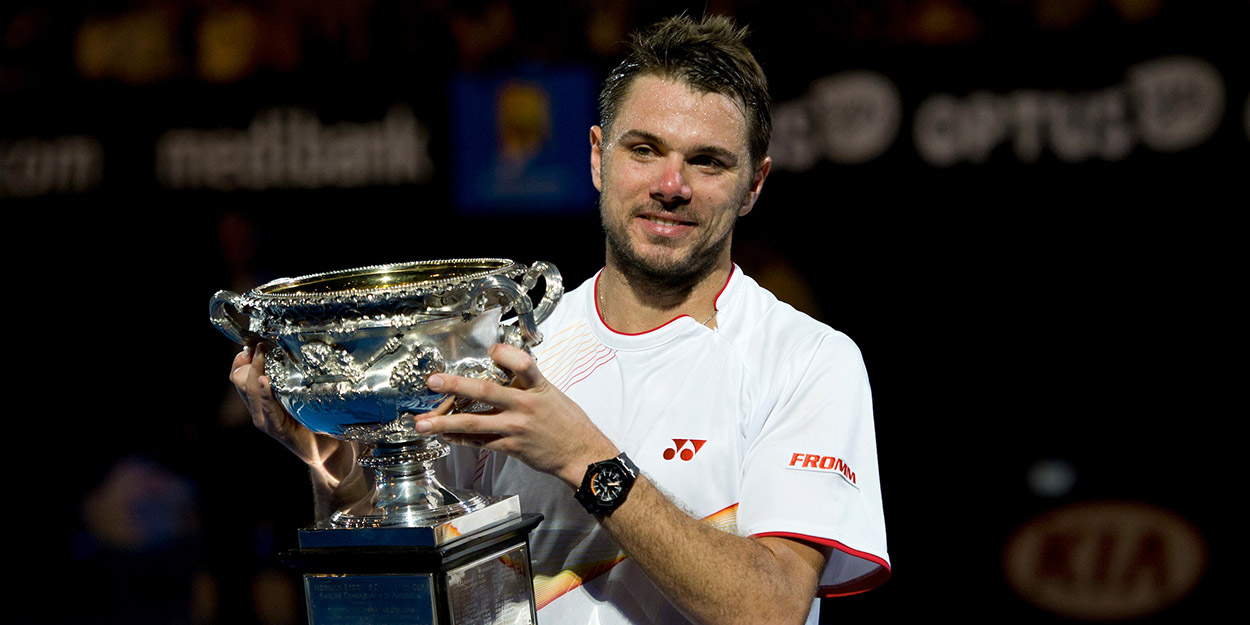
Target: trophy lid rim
[[490, 267]]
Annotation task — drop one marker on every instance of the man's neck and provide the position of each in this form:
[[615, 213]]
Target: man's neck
[[631, 305]]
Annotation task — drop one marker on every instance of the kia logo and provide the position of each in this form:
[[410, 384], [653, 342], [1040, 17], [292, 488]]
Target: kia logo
[[1105, 560]]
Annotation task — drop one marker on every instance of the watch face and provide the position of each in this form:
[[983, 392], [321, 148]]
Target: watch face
[[606, 485]]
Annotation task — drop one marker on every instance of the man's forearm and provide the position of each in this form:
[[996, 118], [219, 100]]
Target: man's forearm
[[331, 492], [710, 575]]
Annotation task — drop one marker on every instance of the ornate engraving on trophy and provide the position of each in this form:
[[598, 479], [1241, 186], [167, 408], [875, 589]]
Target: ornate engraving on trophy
[[481, 369], [409, 375], [329, 363], [276, 369]]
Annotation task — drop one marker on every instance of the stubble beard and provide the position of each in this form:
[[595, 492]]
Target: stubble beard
[[668, 277]]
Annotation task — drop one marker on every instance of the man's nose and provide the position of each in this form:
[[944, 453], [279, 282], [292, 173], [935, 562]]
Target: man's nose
[[670, 185]]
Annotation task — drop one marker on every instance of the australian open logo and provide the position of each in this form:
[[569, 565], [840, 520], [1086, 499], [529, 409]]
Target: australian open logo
[[822, 464]]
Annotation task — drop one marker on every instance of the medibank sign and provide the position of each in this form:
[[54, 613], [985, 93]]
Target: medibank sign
[[291, 148]]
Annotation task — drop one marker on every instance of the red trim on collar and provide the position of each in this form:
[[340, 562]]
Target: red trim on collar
[[715, 305], [716, 300]]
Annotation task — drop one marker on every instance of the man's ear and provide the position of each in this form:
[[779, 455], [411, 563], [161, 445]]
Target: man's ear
[[596, 156], [757, 185]]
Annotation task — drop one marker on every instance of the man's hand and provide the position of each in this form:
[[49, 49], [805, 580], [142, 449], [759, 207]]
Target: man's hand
[[337, 479], [533, 421], [247, 373]]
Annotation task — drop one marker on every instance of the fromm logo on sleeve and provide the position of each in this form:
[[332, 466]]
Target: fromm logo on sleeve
[[824, 464]]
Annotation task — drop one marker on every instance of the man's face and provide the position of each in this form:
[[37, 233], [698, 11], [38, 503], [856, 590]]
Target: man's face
[[673, 178]]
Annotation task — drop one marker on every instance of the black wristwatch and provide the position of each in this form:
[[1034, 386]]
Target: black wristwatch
[[607, 484]]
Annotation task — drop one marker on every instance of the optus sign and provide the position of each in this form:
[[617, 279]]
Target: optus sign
[[1107, 560]]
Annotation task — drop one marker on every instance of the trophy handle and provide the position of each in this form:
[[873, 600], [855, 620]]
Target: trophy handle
[[527, 315], [553, 289], [222, 319], [481, 296]]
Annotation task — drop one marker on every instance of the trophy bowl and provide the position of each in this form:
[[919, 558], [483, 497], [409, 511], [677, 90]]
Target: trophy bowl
[[349, 352]]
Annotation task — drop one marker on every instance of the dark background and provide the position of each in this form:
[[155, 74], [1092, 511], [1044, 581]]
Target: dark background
[[1077, 314]]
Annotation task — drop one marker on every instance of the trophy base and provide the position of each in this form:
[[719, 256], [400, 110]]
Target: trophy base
[[453, 504], [495, 510], [474, 570], [406, 492]]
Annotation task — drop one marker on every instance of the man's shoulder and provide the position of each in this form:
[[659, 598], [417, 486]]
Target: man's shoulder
[[755, 318]]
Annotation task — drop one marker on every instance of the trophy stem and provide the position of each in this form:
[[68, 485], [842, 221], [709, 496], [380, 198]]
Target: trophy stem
[[406, 492]]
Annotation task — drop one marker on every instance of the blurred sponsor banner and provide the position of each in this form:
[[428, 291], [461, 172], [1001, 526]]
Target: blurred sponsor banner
[[1163, 105], [520, 141], [1105, 560], [290, 148]]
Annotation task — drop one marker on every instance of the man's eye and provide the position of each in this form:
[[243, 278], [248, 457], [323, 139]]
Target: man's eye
[[643, 150], [707, 162]]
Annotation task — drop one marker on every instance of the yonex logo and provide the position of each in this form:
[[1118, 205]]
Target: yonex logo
[[680, 448], [827, 464]]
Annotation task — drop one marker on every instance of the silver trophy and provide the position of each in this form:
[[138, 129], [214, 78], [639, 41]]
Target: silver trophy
[[349, 353]]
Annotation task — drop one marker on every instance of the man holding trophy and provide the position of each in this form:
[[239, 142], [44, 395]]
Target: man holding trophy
[[699, 450]]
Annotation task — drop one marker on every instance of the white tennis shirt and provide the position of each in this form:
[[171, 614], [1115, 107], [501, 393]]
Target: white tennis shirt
[[761, 426]]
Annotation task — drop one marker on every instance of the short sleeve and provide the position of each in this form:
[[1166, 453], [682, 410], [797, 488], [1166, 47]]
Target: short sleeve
[[810, 471]]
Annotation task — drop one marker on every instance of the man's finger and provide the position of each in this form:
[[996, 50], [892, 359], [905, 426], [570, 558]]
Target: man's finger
[[519, 363], [478, 390], [471, 440], [457, 423], [240, 367], [443, 408], [242, 359]]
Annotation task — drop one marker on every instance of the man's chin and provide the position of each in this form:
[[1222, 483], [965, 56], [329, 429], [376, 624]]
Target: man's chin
[[678, 271]]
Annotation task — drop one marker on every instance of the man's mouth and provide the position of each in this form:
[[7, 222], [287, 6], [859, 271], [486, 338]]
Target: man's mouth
[[666, 221]]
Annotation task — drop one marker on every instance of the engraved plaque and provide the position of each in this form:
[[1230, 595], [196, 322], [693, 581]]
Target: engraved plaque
[[419, 576], [505, 576], [370, 599]]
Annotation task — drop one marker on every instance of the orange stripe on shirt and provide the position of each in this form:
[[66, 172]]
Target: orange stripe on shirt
[[548, 588]]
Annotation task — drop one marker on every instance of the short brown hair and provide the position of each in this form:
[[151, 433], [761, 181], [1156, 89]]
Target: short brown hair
[[709, 55]]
